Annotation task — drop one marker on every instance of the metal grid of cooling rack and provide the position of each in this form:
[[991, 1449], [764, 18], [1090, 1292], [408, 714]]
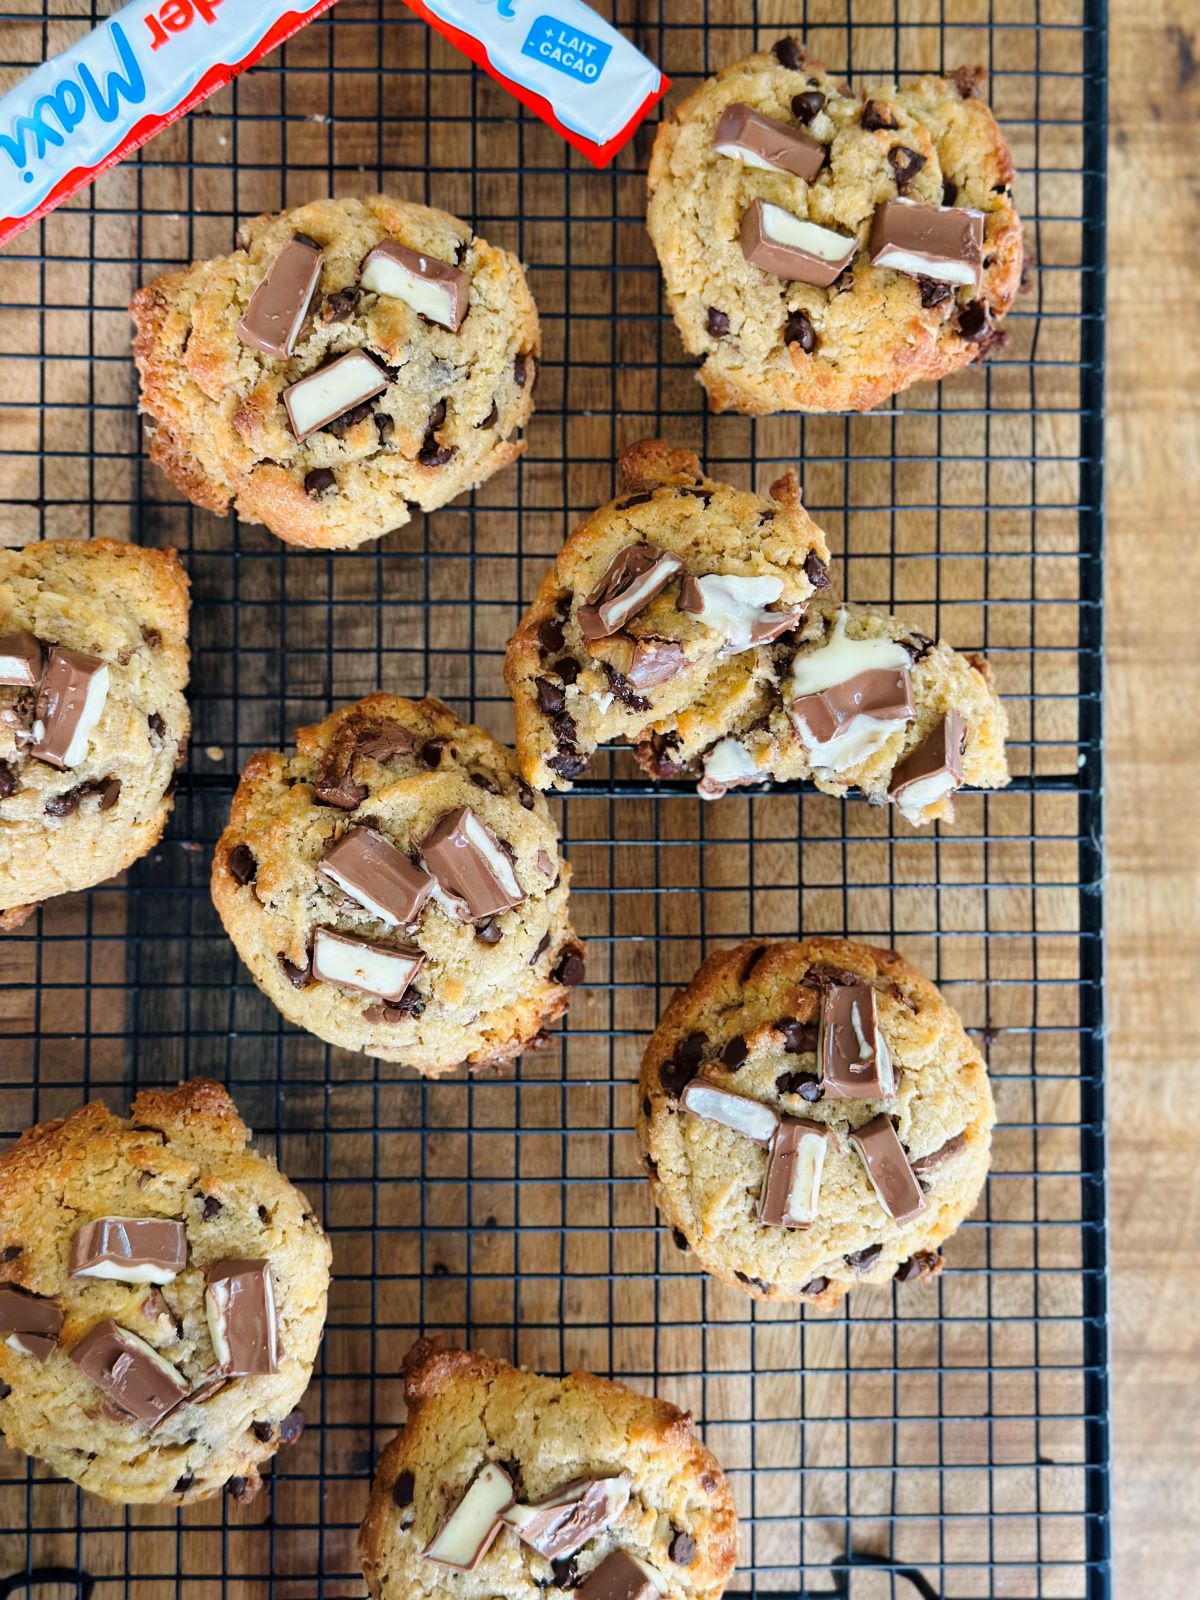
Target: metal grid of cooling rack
[[942, 1441]]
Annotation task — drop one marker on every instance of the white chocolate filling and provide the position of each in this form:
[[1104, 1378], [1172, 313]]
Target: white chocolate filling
[[750, 1117]]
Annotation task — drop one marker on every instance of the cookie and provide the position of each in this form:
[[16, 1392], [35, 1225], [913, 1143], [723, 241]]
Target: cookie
[[353, 362], [618, 637], [396, 888], [93, 665], [824, 250], [162, 1296], [505, 1483], [813, 1116]]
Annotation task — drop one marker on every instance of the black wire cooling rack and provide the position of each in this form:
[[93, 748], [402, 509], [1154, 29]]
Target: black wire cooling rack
[[946, 1440]]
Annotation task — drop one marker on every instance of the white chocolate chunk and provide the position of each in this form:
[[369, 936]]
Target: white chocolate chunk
[[915, 799], [749, 1117], [93, 706], [727, 765], [781, 227], [123, 1272], [467, 1533], [739, 152], [499, 863], [736, 607], [805, 1188], [842, 659], [855, 744], [332, 391], [359, 964], [944, 271]]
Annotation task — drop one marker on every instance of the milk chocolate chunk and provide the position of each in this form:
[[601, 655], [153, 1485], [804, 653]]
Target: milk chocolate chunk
[[20, 659], [635, 575], [854, 1058], [383, 970], [316, 401], [621, 1576], [378, 876], [471, 866], [136, 1379], [564, 1521], [882, 694], [736, 1111], [932, 771], [277, 309], [942, 242], [791, 247], [792, 1184], [239, 1303], [467, 1532], [29, 1323], [69, 706], [655, 661], [744, 134], [434, 289], [887, 1167], [936, 1158], [129, 1249]]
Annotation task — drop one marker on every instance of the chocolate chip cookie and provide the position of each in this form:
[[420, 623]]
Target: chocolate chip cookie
[[396, 888], [353, 362], [813, 1116], [162, 1296], [93, 665], [823, 250], [505, 1483]]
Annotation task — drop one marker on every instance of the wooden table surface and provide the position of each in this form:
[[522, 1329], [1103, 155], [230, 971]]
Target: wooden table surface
[[1153, 815]]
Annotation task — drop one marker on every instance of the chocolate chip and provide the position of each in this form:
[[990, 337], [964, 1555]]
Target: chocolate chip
[[815, 1286], [340, 426], [789, 53], [933, 293], [682, 1549], [152, 637], [482, 781], [212, 1207], [298, 977], [550, 699], [156, 724], [340, 304], [239, 1488], [876, 115], [566, 1574], [543, 946], [798, 1037], [431, 752], [717, 322], [735, 1052], [905, 164], [806, 106], [756, 1283], [521, 369], [949, 191], [567, 762], [262, 1431], [642, 499], [570, 969], [264, 1216], [646, 1108], [433, 454], [110, 792], [624, 690], [567, 668], [816, 570], [860, 1260], [550, 636], [385, 427], [968, 80], [62, 805], [242, 865], [802, 1084], [675, 1075], [799, 330], [182, 1485], [918, 646], [8, 780], [11, 1252], [292, 1426], [973, 323], [525, 794], [925, 1264], [489, 932], [679, 1240]]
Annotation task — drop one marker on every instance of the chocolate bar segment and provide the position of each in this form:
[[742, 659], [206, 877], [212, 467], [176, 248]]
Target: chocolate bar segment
[[30, 1323], [881, 697], [327, 394], [792, 1185], [736, 1111], [887, 1167], [272, 320], [621, 1576], [564, 1521], [940, 242], [852, 1052], [434, 289], [69, 706], [20, 659], [129, 1249], [471, 866], [383, 970], [932, 771], [466, 1533], [239, 1303], [635, 575], [793, 248], [744, 134], [738, 608], [728, 765], [378, 876], [131, 1372]]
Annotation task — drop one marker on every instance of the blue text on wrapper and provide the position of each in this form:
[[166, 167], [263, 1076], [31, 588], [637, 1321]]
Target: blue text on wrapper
[[69, 102], [568, 50]]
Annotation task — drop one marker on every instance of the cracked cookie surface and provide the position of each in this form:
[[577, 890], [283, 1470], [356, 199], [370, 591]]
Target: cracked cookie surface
[[486, 986], [62, 830], [181, 1154], [749, 1024], [775, 345], [448, 419], [465, 1409]]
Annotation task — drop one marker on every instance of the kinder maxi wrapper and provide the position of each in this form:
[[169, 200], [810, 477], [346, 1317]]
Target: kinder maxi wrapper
[[86, 109]]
